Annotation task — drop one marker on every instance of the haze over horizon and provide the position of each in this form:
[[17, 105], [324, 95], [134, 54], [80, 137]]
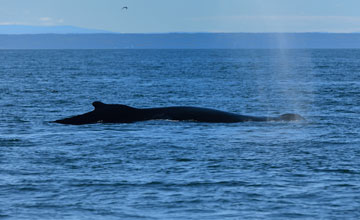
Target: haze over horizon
[[161, 16]]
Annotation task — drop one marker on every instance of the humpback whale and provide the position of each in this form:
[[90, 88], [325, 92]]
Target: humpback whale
[[115, 113]]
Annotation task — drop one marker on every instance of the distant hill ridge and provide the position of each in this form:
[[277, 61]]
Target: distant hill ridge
[[65, 29]]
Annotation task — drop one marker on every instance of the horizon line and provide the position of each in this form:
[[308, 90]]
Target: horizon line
[[163, 33]]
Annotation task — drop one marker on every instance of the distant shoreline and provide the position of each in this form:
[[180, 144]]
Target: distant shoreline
[[182, 41]]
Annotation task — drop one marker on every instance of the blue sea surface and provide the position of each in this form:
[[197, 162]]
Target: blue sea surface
[[180, 170]]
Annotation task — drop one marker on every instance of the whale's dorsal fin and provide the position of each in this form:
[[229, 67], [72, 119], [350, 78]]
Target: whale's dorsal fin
[[98, 105]]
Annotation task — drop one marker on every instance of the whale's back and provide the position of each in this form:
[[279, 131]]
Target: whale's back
[[185, 113]]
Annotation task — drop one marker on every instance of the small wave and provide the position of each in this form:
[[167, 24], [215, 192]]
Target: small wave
[[160, 184], [183, 160], [29, 189], [288, 215], [322, 66], [4, 216], [10, 142], [219, 183], [346, 171]]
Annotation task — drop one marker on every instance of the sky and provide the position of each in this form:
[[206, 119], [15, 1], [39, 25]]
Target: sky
[[163, 16]]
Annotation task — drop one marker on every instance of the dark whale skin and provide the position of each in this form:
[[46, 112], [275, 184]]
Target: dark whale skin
[[116, 113]]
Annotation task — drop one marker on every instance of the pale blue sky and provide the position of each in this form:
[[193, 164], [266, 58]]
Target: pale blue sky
[[149, 16]]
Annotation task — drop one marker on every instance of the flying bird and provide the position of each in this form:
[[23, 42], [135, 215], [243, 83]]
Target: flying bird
[[125, 7]]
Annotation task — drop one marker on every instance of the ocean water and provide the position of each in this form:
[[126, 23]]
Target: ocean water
[[180, 170]]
